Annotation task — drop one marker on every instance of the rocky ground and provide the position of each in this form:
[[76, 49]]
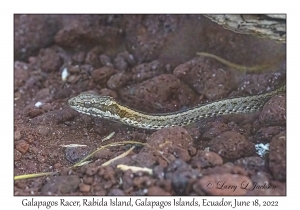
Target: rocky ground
[[149, 63]]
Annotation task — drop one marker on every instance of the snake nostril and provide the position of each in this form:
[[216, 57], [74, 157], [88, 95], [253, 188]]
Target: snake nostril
[[71, 102]]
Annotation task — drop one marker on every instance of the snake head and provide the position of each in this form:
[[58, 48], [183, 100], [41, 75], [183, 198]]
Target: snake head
[[99, 106], [88, 100]]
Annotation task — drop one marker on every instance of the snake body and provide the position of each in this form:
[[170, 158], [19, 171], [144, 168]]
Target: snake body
[[108, 108]]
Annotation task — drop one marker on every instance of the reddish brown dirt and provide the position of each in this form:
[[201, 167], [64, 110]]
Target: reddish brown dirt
[[149, 63]]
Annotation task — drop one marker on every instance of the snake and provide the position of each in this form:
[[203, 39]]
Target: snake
[[108, 108]]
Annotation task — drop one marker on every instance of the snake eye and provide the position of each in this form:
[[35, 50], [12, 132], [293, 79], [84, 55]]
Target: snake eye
[[87, 104]]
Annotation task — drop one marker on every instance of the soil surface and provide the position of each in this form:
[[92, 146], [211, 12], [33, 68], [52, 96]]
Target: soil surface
[[149, 63]]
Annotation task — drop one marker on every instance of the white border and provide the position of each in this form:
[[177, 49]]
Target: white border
[[154, 6]]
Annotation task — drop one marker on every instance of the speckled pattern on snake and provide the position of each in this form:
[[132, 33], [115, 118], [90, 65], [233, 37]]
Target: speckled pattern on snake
[[108, 108]]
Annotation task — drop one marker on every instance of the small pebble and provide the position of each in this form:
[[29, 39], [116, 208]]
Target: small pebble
[[22, 146], [17, 155], [84, 187]]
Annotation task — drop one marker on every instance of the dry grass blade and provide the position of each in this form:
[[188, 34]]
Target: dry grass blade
[[108, 145], [84, 163], [118, 157], [73, 145], [108, 137], [28, 176], [241, 68]]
